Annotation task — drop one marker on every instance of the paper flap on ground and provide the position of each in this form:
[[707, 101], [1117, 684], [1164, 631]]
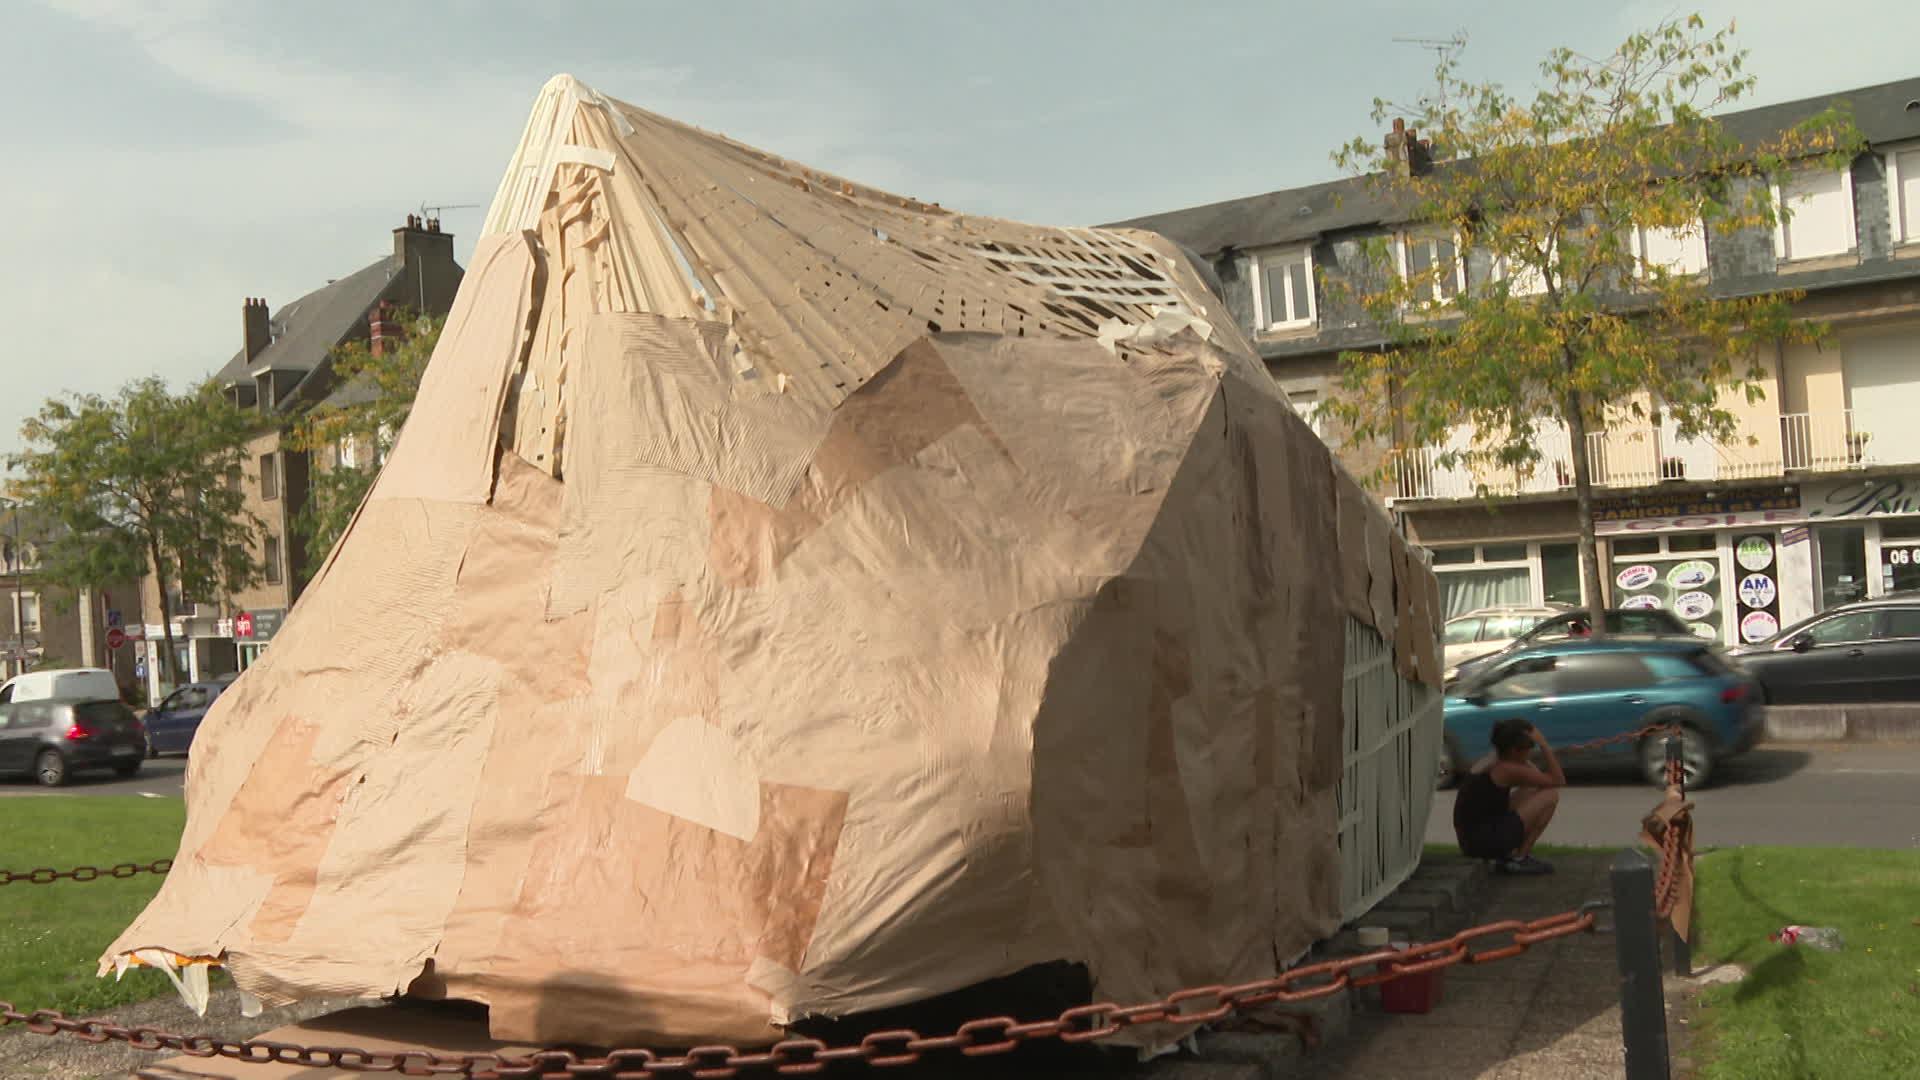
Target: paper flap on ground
[[789, 599]]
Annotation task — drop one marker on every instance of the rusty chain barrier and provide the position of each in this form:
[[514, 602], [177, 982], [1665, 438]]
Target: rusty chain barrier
[[47, 875], [900, 1046]]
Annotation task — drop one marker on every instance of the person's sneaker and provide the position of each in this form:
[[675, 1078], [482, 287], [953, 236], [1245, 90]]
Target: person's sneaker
[[1524, 864]]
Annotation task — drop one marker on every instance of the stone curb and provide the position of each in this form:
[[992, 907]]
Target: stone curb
[[1838, 723]]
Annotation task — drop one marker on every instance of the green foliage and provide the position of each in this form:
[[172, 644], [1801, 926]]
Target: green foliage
[[54, 934], [1577, 326], [377, 394], [137, 482], [1803, 1012]]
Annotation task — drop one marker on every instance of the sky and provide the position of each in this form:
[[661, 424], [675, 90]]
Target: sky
[[165, 160]]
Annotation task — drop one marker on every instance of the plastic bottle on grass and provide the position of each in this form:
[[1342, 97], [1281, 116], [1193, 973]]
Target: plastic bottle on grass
[[1819, 937]]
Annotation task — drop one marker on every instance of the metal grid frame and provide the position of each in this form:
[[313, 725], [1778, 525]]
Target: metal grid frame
[[1391, 752]]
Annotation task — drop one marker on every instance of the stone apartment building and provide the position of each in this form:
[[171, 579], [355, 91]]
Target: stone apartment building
[[49, 625], [284, 367], [1814, 503]]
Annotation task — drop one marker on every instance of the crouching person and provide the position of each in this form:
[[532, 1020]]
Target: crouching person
[[1506, 802]]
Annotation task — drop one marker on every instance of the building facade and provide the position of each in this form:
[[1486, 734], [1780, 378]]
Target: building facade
[[52, 626], [283, 368], [1814, 502]]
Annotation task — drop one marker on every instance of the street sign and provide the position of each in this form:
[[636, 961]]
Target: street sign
[[139, 669], [116, 637], [243, 625], [113, 617]]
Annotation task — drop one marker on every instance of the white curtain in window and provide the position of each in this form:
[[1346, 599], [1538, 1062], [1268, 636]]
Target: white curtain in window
[[1462, 591]]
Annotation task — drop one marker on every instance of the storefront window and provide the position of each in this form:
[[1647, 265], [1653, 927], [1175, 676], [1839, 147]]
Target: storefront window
[[1842, 552], [1462, 591], [1692, 542], [1560, 573], [1636, 545]]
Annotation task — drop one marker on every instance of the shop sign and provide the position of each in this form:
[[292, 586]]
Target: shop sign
[[1637, 577], [1754, 553], [1880, 497], [1758, 591], [1699, 510], [1644, 600], [1758, 626], [258, 625], [1693, 606], [1690, 574]]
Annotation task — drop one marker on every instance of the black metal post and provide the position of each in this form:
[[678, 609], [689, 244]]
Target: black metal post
[[1643, 1008]]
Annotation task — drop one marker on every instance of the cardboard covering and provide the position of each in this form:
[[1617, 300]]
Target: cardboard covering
[[791, 599]]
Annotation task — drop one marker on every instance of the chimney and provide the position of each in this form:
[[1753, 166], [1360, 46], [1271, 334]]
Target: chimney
[[421, 239], [254, 326], [1407, 153], [384, 329]]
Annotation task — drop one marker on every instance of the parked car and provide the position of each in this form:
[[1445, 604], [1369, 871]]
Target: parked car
[[1575, 625], [1578, 690], [172, 724], [52, 739], [1864, 651], [1490, 629], [75, 684]]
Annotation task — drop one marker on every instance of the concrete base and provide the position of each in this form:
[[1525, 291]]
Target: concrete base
[[1834, 723]]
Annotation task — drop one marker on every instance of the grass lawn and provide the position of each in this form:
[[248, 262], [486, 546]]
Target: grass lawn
[[51, 936], [1802, 1012]]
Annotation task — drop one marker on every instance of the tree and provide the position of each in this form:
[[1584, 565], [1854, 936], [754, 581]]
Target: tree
[[357, 425], [139, 482], [1573, 325]]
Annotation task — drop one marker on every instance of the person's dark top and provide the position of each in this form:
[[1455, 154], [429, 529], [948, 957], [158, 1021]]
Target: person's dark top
[[1480, 800]]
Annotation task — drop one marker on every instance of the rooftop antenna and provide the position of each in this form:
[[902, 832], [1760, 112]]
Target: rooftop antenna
[[435, 210], [1443, 50]]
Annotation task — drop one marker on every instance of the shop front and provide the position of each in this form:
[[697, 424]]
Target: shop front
[[253, 631]]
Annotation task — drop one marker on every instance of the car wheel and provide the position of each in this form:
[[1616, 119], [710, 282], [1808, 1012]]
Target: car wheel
[[1696, 755], [1449, 766], [50, 768]]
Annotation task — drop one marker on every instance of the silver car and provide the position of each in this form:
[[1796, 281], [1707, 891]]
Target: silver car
[[1490, 629]]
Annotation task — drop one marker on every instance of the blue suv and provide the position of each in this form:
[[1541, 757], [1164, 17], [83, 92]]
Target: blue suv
[[1578, 690]]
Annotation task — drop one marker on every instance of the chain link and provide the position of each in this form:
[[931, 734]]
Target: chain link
[[899, 1046], [47, 875]]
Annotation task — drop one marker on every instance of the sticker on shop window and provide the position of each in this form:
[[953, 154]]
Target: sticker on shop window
[[1703, 630], [1693, 605], [1758, 626], [1753, 553], [1758, 591], [1637, 577], [1641, 602], [1690, 574]]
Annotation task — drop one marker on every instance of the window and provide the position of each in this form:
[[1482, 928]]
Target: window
[[1900, 623], [1503, 553], [29, 621], [1285, 295], [1636, 545], [1508, 627], [1903, 194], [233, 477], [1594, 673], [1435, 259], [1523, 278], [1842, 629], [346, 453], [1693, 542], [1463, 631], [1819, 203], [1524, 679], [1678, 251], [1453, 556], [269, 476], [273, 560]]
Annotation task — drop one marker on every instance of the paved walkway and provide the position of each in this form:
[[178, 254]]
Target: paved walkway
[[1552, 1012]]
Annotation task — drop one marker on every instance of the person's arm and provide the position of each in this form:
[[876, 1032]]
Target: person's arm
[[1553, 772]]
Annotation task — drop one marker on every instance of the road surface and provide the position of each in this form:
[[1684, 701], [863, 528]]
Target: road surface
[[158, 776], [1816, 794]]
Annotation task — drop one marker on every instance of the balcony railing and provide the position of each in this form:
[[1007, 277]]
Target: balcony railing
[[1644, 455]]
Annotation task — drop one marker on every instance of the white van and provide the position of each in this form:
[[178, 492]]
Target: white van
[[70, 684]]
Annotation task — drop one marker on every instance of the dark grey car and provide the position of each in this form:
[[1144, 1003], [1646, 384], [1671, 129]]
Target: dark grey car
[[52, 739], [1865, 651]]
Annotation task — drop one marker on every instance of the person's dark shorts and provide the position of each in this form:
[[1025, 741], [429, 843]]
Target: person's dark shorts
[[1494, 838]]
